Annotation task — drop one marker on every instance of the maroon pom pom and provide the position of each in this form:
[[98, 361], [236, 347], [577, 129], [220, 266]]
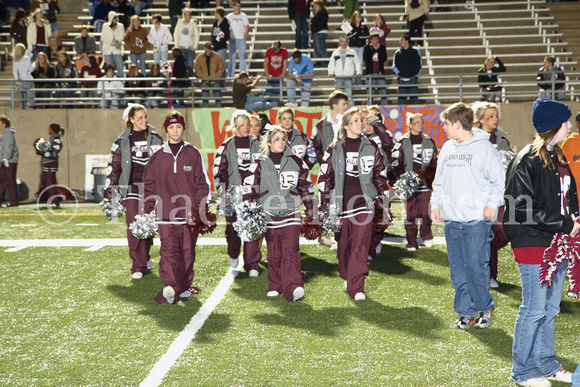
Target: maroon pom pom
[[309, 230], [380, 224], [201, 225], [34, 145]]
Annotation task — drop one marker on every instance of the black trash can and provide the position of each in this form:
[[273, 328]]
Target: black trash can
[[100, 176]]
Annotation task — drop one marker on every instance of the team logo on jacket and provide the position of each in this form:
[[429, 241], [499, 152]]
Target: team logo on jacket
[[366, 164], [288, 180], [299, 150], [243, 155], [427, 155], [187, 168]]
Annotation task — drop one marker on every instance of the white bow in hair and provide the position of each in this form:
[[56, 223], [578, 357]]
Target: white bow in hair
[[128, 109]]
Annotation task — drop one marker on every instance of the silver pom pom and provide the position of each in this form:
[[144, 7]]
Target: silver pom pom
[[330, 219], [112, 208], [506, 157], [226, 206], [144, 227], [407, 185], [42, 145], [251, 221]]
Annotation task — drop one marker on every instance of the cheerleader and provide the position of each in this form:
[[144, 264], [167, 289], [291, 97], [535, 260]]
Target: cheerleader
[[299, 142], [280, 180], [351, 176], [230, 168], [255, 126], [176, 181], [48, 188], [129, 155]]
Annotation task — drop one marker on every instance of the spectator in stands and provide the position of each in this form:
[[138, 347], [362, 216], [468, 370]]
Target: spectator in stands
[[407, 65], [90, 71], [375, 56], [91, 7], [198, 3], [160, 37], [178, 71], [65, 69], [102, 11], [155, 72], [124, 11], [358, 38], [249, 102], [218, 3], [174, 8], [135, 89], [275, 65], [137, 42], [50, 9], [299, 13], [22, 71], [18, 28], [209, 65], [220, 35], [85, 44], [551, 80], [239, 30], [417, 11], [186, 37], [349, 7], [38, 34], [300, 73], [112, 37], [8, 162], [319, 29], [380, 28], [138, 6], [487, 79], [344, 65], [42, 70], [112, 87]]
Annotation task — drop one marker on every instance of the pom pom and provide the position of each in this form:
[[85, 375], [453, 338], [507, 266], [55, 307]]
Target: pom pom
[[310, 230], [407, 185], [112, 208], [41, 146], [226, 206], [251, 221], [380, 224], [330, 219], [201, 224], [506, 158], [144, 227]]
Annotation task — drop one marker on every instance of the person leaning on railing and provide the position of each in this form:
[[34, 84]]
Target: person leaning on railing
[[487, 79]]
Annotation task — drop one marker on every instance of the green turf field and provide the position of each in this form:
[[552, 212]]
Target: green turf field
[[71, 317]]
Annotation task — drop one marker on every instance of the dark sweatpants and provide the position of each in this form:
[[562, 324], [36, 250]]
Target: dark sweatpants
[[417, 207], [376, 239], [284, 261], [498, 242], [353, 245], [48, 182], [177, 258], [8, 180], [138, 248], [252, 255]]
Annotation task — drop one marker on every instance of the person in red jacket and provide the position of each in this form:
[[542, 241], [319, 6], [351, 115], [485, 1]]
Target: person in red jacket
[[176, 181]]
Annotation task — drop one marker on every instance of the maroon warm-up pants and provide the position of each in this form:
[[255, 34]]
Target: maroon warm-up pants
[[177, 258], [51, 195], [376, 239], [252, 255], [138, 248], [353, 245], [498, 242], [417, 207], [8, 180], [284, 261]]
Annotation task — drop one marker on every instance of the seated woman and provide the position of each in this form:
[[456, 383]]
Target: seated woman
[[487, 79], [42, 70], [134, 88]]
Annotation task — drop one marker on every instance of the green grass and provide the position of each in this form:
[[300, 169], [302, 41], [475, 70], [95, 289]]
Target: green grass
[[72, 317]]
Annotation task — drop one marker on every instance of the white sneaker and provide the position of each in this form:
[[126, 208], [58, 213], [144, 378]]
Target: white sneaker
[[561, 376], [149, 265], [369, 258], [345, 285], [234, 262], [536, 382], [334, 247], [185, 294], [137, 275], [493, 283], [253, 273], [428, 243], [272, 293], [360, 297], [411, 249], [169, 294], [326, 240], [379, 248], [298, 293]]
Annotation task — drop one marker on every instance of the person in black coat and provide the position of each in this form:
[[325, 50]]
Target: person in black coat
[[487, 79]]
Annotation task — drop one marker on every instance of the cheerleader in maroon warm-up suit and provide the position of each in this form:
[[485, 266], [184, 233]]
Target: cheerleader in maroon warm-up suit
[[352, 176], [48, 188], [280, 182]]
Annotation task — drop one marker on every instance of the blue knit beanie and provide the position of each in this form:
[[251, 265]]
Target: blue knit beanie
[[548, 114]]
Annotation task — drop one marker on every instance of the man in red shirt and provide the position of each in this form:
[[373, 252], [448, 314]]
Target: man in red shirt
[[275, 65]]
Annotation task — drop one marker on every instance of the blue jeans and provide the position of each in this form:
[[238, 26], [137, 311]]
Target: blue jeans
[[304, 94], [237, 46], [382, 90], [37, 49], [359, 52], [344, 85], [533, 347], [405, 91], [27, 95], [216, 91], [141, 58], [160, 56], [301, 37], [189, 56], [115, 60], [319, 41], [223, 53], [468, 253], [255, 103], [174, 20], [560, 94], [273, 90], [576, 377]]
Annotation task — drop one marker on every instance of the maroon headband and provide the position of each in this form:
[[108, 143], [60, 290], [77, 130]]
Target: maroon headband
[[173, 120]]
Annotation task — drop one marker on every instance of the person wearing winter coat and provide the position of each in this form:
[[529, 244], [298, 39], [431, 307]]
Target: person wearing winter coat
[[22, 71], [48, 187], [551, 80], [186, 38], [8, 162], [160, 37], [343, 66], [38, 34], [112, 36], [417, 12], [137, 41]]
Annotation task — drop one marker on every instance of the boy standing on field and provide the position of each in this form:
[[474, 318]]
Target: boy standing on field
[[467, 191]]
